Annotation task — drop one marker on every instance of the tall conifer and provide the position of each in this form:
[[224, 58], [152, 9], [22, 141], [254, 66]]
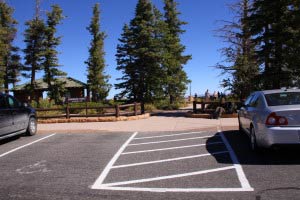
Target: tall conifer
[[174, 59], [240, 62], [274, 28], [52, 73], [139, 56], [97, 79], [9, 59], [34, 51]]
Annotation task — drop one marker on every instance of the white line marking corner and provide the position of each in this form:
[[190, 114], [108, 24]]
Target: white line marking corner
[[103, 175]]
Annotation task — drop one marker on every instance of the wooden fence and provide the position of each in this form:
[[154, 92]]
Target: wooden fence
[[99, 111]]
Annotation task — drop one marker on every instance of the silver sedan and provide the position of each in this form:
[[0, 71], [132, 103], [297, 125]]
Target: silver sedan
[[271, 117]]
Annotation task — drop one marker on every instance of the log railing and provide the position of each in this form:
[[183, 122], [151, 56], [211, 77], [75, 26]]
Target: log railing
[[98, 111]]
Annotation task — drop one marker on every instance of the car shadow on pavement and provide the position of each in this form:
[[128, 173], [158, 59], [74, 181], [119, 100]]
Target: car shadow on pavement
[[239, 143], [10, 139]]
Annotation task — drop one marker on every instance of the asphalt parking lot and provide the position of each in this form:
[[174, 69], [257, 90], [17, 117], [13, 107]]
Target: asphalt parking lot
[[145, 165]]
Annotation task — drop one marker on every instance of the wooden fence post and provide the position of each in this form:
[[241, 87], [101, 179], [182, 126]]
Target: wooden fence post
[[194, 106], [202, 106], [117, 111], [135, 109], [86, 106], [67, 110]]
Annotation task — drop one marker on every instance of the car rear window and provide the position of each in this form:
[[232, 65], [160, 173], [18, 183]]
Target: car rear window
[[283, 98]]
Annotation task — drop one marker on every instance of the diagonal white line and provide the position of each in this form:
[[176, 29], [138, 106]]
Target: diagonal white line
[[160, 136], [171, 148], [167, 160], [105, 172], [167, 177], [21, 147], [241, 175], [164, 141]]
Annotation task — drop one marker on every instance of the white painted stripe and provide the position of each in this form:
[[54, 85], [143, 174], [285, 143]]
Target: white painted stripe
[[171, 148], [105, 172], [168, 160], [171, 135], [241, 175], [164, 141], [26, 145], [168, 177], [140, 189]]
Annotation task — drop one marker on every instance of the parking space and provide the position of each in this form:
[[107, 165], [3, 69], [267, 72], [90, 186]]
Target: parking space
[[145, 165], [200, 161]]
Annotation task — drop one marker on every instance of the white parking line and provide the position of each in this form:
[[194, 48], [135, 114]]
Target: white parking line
[[141, 189], [105, 172], [169, 160], [171, 148], [26, 145], [168, 177], [171, 135], [239, 170], [164, 141], [245, 186]]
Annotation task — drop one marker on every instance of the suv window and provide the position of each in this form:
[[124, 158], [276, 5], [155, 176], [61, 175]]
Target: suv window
[[13, 103]]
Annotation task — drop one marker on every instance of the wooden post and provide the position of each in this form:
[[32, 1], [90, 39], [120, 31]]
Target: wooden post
[[135, 109], [86, 106], [117, 111], [194, 106], [202, 106], [67, 110]]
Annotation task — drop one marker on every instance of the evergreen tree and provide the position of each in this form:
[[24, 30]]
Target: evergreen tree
[[97, 79], [139, 57], [50, 64], [243, 69], [125, 60], [275, 29], [9, 59], [34, 52], [176, 80]]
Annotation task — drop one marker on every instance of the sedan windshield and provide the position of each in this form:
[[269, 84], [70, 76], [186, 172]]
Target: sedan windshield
[[284, 98]]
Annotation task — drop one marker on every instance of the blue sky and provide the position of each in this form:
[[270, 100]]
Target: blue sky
[[201, 15]]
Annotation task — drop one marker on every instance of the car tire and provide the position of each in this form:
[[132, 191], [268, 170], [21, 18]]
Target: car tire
[[32, 127], [240, 126], [253, 143]]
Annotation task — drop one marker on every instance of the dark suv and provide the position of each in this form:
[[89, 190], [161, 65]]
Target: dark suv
[[15, 117]]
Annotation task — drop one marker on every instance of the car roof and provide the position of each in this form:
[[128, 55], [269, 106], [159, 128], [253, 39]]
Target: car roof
[[280, 90]]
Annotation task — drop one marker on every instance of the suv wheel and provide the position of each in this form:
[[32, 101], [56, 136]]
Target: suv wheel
[[32, 126]]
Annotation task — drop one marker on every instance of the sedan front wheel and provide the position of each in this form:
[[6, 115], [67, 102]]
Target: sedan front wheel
[[32, 127]]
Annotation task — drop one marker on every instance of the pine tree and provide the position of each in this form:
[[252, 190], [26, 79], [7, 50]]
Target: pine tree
[[97, 79], [34, 52], [9, 58], [125, 60], [274, 27], [50, 64], [139, 57], [243, 69], [176, 80]]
